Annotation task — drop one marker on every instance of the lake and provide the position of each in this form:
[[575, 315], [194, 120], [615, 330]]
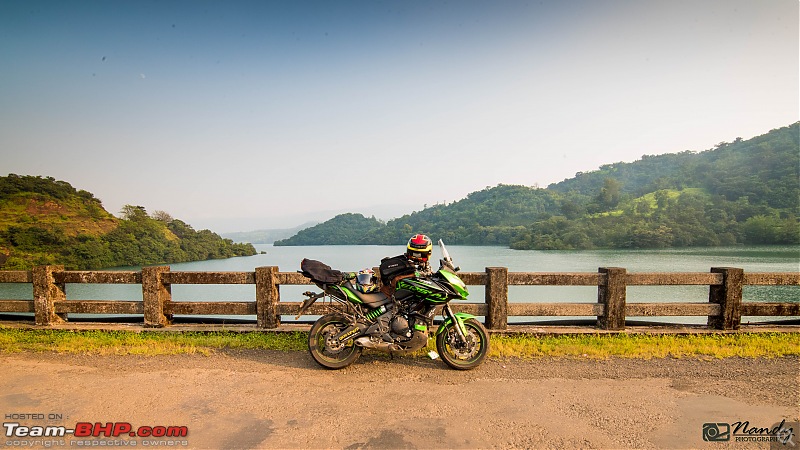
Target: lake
[[476, 259]]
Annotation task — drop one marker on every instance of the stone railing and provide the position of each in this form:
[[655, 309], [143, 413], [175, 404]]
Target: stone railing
[[724, 306]]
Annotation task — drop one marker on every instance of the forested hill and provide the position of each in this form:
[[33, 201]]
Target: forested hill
[[743, 192], [46, 221], [764, 169]]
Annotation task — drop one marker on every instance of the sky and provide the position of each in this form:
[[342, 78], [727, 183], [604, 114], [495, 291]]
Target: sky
[[244, 115]]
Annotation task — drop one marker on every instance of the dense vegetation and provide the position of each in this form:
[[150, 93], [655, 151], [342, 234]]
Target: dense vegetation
[[46, 221], [745, 192], [343, 229]]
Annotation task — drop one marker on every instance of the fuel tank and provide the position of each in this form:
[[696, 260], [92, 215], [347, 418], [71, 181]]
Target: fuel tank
[[427, 289]]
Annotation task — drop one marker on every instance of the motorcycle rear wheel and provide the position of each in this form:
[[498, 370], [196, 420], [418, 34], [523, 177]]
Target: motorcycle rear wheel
[[325, 350], [460, 355]]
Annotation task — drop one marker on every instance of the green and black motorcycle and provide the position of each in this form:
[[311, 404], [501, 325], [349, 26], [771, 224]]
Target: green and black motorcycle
[[398, 323]]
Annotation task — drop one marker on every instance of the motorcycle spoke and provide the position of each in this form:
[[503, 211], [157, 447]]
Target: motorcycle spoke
[[326, 349], [464, 350], [463, 354]]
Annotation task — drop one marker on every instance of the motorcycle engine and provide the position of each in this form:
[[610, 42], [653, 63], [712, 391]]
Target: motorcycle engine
[[400, 326]]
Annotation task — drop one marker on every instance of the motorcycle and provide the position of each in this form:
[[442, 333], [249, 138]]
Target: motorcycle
[[399, 322]]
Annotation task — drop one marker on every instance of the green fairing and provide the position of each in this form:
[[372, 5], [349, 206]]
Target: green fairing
[[460, 318], [350, 296], [455, 281], [430, 290]]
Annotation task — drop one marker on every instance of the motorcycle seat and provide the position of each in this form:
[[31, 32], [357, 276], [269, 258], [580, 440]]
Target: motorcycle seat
[[373, 300]]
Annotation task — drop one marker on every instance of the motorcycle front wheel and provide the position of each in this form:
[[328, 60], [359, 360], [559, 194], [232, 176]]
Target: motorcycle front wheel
[[463, 355], [327, 351]]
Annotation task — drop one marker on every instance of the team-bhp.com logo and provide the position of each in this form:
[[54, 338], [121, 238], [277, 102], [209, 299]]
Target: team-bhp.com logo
[[779, 435], [97, 429]]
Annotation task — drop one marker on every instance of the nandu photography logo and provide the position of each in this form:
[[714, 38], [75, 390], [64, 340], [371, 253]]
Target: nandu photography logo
[[716, 432], [779, 435]]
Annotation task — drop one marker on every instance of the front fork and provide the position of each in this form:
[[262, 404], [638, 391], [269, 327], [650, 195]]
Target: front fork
[[459, 319]]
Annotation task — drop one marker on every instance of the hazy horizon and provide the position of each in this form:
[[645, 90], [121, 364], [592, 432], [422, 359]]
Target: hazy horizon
[[245, 115]]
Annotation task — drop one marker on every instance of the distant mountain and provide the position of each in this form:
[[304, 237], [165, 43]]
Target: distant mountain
[[344, 229], [266, 236], [739, 192], [47, 221]]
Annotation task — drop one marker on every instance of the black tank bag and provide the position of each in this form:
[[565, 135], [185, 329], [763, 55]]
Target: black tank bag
[[394, 267]]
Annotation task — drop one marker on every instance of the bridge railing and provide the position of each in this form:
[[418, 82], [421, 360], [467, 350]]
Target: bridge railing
[[724, 307]]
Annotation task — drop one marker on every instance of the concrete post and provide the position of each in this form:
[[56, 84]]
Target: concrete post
[[155, 295], [612, 294], [45, 293], [496, 298], [267, 297], [729, 296]]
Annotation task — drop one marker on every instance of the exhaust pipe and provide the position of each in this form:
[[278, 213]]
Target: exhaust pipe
[[365, 342]]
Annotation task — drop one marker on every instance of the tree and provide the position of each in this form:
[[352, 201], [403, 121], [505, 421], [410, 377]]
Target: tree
[[133, 213], [610, 193], [162, 216]]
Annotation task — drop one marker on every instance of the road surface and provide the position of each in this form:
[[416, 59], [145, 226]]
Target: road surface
[[272, 399]]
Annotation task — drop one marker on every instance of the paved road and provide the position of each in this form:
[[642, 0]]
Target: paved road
[[269, 399]]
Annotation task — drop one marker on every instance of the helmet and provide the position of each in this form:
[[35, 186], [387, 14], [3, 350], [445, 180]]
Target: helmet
[[365, 281], [419, 247]]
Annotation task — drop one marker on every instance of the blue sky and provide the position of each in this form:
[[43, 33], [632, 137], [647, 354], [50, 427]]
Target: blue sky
[[236, 116]]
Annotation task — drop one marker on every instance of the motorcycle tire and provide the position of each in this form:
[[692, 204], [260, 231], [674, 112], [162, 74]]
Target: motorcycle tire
[[463, 356], [325, 351]]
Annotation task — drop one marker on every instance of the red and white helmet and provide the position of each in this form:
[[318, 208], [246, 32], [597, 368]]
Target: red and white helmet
[[419, 248]]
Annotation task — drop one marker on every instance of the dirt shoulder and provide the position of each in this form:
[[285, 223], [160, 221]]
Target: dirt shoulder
[[271, 399]]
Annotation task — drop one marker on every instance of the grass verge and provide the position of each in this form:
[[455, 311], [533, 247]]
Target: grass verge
[[143, 343], [643, 346]]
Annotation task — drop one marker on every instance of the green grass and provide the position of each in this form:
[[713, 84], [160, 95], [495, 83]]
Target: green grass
[[650, 200], [646, 346], [143, 343], [597, 346]]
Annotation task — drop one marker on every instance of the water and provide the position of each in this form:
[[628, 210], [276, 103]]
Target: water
[[476, 259]]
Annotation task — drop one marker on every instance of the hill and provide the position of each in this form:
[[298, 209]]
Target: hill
[[763, 169], [47, 221], [344, 229], [744, 192]]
